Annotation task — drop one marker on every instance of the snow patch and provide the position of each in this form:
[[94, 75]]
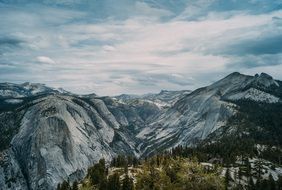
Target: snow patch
[[13, 101], [10, 93], [254, 94]]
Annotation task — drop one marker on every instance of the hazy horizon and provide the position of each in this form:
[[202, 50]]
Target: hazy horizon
[[137, 94], [111, 47]]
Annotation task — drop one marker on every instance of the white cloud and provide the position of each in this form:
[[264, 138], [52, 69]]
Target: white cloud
[[139, 54], [109, 48], [44, 59]]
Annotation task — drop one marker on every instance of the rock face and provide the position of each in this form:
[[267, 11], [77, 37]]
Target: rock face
[[54, 137], [60, 136], [57, 138], [11, 176], [198, 114], [51, 135]]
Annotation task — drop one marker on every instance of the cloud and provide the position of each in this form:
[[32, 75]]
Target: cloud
[[255, 61], [261, 45], [111, 47], [201, 9], [8, 44], [44, 59]]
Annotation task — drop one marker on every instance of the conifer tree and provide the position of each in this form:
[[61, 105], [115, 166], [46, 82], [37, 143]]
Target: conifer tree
[[135, 162], [264, 185], [127, 183], [240, 173], [272, 185], [65, 186], [103, 185], [279, 183], [125, 168], [113, 182], [75, 185], [227, 178], [97, 173], [251, 184]]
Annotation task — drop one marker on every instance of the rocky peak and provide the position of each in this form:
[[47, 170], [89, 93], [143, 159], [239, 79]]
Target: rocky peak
[[265, 80], [233, 82], [266, 76], [237, 82]]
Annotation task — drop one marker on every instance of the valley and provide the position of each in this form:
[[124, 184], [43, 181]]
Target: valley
[[51, 135]]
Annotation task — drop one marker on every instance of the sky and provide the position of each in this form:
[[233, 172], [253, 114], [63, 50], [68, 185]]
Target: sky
[[110, 47]]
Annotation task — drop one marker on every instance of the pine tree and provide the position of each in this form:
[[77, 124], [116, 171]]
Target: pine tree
[[251, 184], [127, 183], [158, 160], [97, 173], [65, 186], [130, 160], [227, 178], [259, 167], [258, 185], [135, 162], [264, 185], [113, 182], [75, 185], [271, 183], [240, 173], [58, 186], [114, 162], [103, 185], [126, 168], [279, 183], [102, 163], [121, 161], [248, 168]]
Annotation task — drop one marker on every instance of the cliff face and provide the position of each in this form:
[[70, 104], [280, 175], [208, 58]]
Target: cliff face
[[196, 115], [59, 137]]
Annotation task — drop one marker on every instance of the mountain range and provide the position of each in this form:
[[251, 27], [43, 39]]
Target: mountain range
[[49, 135]]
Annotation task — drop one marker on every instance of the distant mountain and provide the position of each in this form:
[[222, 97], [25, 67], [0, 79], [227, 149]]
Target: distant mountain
[[164, 99], [50, 135], [10, 90]]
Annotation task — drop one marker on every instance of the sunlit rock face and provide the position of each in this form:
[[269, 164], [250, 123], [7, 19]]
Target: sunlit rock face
[[60, 136], [54, 135], [193, 117]]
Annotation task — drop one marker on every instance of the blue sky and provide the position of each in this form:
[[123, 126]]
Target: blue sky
[[137, 46]]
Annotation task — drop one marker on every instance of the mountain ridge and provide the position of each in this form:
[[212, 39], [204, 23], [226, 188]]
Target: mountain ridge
[[84, 128]]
